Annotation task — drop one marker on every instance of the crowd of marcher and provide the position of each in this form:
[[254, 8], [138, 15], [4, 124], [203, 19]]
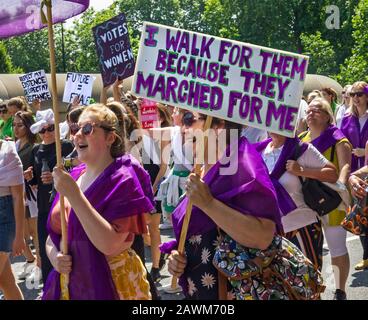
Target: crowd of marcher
[[123, 184]]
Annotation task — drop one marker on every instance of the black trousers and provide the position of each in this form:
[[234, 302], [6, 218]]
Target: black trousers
[[364, 241], [138, 247], [46, 266]]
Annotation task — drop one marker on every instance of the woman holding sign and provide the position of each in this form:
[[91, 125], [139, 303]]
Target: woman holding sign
[[105, 205], [233, 201], [355, 127]]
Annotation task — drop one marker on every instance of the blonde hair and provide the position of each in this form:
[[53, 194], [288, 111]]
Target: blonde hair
[[361, 86], [109, 119], [313, 95], [324, 105]]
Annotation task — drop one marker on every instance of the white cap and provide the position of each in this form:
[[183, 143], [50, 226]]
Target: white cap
[[43, 118]]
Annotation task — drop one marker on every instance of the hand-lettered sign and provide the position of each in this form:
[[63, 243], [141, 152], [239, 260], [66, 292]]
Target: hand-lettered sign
[[239, 82], [113, 50], [148, 114], [78, 85], [35, 86]]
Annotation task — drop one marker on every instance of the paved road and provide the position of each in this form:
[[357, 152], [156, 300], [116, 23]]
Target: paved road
[[357, 285]]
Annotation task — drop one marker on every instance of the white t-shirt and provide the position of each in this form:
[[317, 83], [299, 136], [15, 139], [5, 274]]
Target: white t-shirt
[[340, 113], [362, 121], [303, 215], [11, 169]]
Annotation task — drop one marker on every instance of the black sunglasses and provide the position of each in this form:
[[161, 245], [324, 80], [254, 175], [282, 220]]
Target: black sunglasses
[[359, 94], [189, 118], [50, 128], [86, 129]]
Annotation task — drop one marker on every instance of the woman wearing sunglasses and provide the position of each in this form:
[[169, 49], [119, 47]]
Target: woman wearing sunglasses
[[105, 206], [355, 125], [232, 202], [355, 128], [332, 143], [43, 159]]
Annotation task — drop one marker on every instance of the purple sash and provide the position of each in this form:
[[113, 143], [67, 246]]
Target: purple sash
[[288, 152], [248, 191], [115, 194], [328, 138], [350, 126]]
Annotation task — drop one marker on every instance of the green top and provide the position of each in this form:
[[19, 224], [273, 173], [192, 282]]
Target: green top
[[6, 129]]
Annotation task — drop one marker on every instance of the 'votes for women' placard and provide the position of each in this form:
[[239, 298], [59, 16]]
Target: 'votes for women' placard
[[240, 82], [35, 86], [80, 85], [113, 50]]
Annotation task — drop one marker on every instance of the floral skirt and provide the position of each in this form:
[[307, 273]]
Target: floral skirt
[[201, 277]]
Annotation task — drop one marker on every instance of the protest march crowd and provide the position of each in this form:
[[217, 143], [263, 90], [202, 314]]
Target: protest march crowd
[[131, 168]]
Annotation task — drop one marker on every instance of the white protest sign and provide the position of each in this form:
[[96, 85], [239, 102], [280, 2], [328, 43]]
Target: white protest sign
[[80, 85], [240, 82], [35, 86]]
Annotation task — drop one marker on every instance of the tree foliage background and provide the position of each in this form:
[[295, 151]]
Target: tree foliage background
[[292, 25]]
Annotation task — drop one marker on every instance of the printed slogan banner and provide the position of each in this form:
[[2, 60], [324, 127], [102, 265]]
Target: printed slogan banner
[[243, 83], [113, 50], [35, 86], [80, 85], [148, 115]]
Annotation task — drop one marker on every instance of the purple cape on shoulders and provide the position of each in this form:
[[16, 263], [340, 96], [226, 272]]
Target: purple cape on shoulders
[[328, 138], [244, 191], [117, 193], [350, 127]]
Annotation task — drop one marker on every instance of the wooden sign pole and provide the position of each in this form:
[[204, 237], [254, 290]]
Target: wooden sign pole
[[188, 213], [59, 164]]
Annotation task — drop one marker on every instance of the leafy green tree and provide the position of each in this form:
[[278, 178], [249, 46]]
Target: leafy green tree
[[6, 65], [321, 53], [355, 67], [30, 52]]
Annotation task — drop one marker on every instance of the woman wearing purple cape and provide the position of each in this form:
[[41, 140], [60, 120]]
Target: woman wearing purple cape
[[236, 196], [355, 127], [287, 159], [105, 204], [332, 143]]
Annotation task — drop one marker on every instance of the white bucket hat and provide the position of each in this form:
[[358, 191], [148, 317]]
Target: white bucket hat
[[43, 118]]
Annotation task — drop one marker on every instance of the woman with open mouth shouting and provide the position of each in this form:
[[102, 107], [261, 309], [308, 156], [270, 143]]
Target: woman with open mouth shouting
[[105, 206]]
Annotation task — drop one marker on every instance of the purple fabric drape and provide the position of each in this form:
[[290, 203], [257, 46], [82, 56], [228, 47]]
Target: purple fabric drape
[[117, 193], [248, 191], [328, 138], [22, 16], [350, 127], [288, 152]]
